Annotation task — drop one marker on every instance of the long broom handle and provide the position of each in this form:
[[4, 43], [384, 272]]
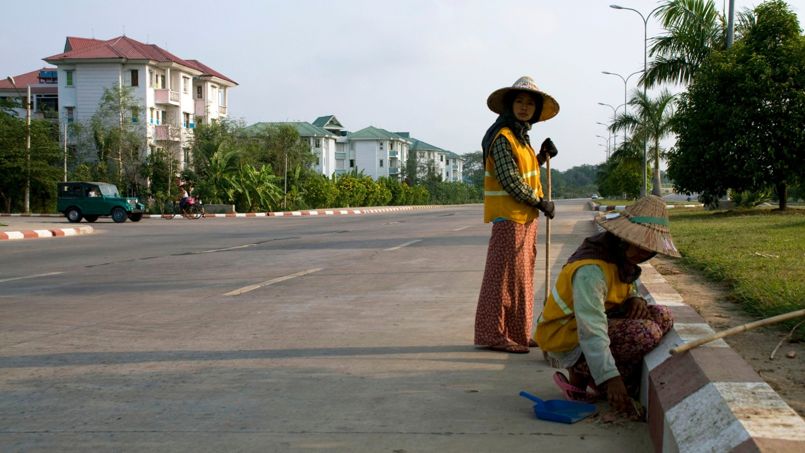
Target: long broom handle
[[738, 329], [548, 232]]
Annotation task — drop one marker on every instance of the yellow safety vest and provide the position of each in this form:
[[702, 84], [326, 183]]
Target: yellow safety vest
[[498, 202], [556, 327]]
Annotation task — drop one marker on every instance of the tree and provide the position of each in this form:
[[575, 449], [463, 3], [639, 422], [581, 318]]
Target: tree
[[694, 28], [621, 175], [45, 160], [474, 168], [650, 120], [118, 137], [740, 125]]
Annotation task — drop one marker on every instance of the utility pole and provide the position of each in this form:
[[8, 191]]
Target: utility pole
[[730, 24]]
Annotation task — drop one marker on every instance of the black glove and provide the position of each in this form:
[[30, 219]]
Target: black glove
[[546, 207], [547, 149]]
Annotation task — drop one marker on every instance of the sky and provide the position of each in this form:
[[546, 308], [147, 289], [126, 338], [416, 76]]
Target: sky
[[421, 66]]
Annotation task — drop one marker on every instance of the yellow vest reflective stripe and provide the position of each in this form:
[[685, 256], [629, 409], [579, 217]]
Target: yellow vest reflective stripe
[[556, 326], [497, 202]]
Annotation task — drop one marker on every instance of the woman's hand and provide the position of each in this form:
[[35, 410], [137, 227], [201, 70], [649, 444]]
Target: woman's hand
[[617, 396], [637, 308]]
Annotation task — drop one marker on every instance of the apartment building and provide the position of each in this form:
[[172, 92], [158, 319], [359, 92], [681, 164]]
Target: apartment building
[[174, 94], [44, 93], [377, 152]]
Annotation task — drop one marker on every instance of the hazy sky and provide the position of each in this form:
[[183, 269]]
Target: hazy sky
[[422, 66]]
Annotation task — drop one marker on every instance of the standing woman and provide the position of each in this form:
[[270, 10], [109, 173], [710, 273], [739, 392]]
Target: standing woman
[[512, 201]]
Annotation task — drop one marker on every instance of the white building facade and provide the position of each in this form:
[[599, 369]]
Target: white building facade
[[173, 94]]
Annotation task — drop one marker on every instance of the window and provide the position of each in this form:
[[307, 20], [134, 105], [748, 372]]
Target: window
[[68, 78], [185, 119], [186, 152], [318, 161], [381, 163], [135, 116], [135, 77], [441, 157], [186, 85], [199, 92], [161, 81], [381, 145], [213, 91], [70, 114], [351, 163], [222, 96], [391, 146], [151, 116], [151, 77], [317, 143]]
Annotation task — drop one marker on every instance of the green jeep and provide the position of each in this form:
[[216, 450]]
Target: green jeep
[[90, 200]]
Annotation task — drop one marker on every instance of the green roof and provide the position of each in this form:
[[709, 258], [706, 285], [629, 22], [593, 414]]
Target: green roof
[[419, 145], [328, 120], [304, 128], [374, 133]]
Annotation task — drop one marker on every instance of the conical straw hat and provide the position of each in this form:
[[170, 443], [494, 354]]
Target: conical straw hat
[[644, 224], [549, 105]]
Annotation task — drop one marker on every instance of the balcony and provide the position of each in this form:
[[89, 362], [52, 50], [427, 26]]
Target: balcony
[[394, 154], [394, 171], [167, 133], [165, 96], [340, 155]]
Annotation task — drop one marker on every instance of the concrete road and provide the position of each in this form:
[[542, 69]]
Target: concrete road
[[273, 334]]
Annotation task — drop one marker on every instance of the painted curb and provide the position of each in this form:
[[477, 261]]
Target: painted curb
[[708, 399], [39, 234], [305, 213], [605, 208]]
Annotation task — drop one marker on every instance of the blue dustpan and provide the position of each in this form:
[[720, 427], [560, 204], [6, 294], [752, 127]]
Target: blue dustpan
[[560, 410]]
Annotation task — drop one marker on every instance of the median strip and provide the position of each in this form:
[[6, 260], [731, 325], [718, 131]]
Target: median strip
[[246, 289]]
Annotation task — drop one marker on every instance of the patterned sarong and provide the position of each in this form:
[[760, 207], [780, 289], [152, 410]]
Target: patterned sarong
[[505, 304]]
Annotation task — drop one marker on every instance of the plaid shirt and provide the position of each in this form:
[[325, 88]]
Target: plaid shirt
[[508, 173]]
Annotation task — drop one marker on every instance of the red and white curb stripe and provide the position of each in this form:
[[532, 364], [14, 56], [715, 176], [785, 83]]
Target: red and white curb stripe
[[37, 234], [307, 213], [709, 398], [598, 207]]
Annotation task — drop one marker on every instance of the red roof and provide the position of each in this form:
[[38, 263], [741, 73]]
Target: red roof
[[209, 71], [23, 80], [124, 47], [74, 43]]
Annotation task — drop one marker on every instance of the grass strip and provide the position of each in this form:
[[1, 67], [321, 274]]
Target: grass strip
[[759, 253]]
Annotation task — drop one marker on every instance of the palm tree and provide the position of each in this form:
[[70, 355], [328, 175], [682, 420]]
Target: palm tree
[[649, 120], [694, 28]]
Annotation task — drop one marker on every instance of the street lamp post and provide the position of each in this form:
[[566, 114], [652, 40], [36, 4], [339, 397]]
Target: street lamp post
[[27, 144], [625, 80], [645, 18], [614, 115], [608, 140]]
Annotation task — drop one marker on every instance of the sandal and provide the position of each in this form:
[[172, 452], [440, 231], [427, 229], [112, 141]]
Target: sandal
[[571, 392], [532, 343], [512, 347]]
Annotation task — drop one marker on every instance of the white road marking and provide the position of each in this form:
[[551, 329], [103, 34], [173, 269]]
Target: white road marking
[[30, 276], [402, 245], [246, 289], [229, 248], [461, 228]]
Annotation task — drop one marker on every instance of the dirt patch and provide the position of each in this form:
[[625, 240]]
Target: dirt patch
[[785, 373]]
